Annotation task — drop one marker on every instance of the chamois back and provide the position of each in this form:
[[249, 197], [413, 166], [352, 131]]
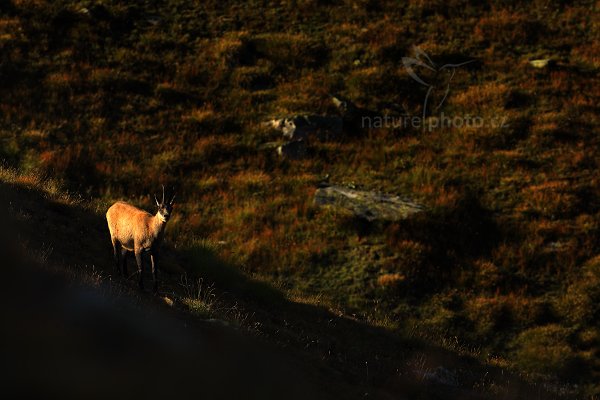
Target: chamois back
[[137, 231], [129, 225]]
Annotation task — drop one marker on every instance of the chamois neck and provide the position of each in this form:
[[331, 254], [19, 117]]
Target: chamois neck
[[160, 218], [159, 222]]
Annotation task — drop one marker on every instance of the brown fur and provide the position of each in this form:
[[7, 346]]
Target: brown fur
[[135, 230]]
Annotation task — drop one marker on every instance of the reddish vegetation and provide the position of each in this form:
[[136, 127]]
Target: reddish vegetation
[[113, 104]]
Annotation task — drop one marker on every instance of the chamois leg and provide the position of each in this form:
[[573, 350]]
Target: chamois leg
[[154, 272], [140, 265], [124, 261], [116, 249]]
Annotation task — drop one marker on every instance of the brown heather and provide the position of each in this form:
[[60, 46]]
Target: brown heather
[[506, 258]]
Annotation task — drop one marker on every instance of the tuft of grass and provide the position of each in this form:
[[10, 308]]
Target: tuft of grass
[[199, 297]]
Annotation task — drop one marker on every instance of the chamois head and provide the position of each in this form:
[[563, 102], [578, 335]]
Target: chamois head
[[164, 208]]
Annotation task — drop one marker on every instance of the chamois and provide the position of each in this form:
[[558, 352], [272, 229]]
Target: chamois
[[132, 229]]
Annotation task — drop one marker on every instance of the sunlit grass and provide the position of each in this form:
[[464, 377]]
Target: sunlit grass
[[115, 113]]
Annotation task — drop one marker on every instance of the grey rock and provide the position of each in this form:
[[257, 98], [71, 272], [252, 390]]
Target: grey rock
[[154, 20], [352, 115], [295, 128], [293, 150], [555, 247], [541, 63], [345, 107], [269, 146], [217, 322], [441, 376], [367, 204], [300, 127]]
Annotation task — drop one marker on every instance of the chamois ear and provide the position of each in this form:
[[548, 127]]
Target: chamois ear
[[156, 200]]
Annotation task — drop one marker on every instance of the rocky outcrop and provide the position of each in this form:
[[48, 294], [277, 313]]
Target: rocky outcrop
[[305, 126], [352, 115], [293, 150], [369, 205]]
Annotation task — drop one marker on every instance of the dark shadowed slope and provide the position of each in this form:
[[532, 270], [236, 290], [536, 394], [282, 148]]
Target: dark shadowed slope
[[74, 329]]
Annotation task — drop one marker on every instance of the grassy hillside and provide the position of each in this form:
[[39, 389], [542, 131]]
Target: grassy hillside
[[76, 326], [114, 99]]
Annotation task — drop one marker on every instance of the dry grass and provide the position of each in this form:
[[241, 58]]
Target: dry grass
[[113, 108]]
